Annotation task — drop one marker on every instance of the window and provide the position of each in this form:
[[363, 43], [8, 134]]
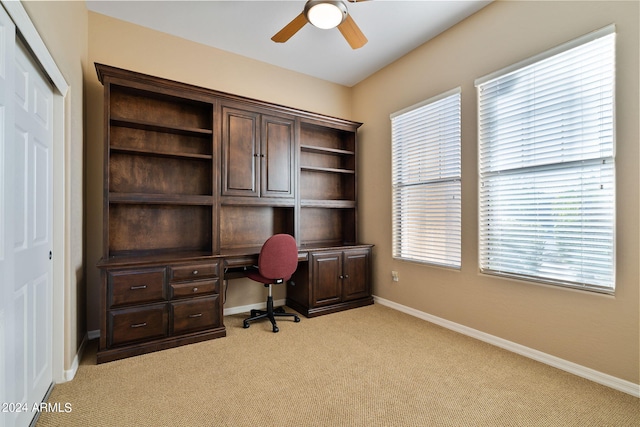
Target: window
[[546, 166], [426, 181]]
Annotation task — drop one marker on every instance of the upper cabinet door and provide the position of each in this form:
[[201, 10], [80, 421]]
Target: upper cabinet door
[[277, 156], [258, 154], [240, 152]]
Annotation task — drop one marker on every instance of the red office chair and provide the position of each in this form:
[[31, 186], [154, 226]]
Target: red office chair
[[277, 262]]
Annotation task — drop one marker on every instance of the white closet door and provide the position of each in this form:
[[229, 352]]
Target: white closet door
[[27, 137], [8, 377]]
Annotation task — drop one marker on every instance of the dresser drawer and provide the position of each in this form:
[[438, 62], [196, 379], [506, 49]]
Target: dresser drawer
[[194, 288], [137, 324], [194, 271], [136, 286], [194, 315]]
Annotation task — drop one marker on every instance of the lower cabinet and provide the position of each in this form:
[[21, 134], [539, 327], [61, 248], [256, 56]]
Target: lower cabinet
[[137, 324], [331, 280], [149, 308], [200, 314]]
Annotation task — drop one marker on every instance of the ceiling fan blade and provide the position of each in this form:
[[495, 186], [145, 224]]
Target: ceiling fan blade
[[351, 32], [290, 29]]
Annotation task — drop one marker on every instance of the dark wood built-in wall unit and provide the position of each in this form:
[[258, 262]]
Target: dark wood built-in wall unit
[[195, 181]]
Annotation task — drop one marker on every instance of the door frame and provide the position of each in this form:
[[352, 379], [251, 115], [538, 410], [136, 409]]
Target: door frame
[[61, 185]]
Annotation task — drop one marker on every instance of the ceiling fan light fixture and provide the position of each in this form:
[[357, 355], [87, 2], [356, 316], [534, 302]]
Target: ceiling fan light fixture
[[325, 14]]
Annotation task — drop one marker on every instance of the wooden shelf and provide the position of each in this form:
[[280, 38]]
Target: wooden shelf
[[160, 154], [169, 199], [250, 201], [330, 204], [145, 125], [151, 152], [327, 170], [324, 150]]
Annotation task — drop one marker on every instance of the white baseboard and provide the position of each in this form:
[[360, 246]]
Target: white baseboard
[[247, 308], [573, 368], [70, 373]]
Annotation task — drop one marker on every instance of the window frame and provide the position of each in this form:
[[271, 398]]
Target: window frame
[[452, 257], [483, 228]]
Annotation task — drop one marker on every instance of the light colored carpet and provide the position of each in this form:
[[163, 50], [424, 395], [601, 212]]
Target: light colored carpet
[[372, 366]]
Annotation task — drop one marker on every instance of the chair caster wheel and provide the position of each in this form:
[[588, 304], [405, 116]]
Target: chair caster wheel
[[296, 319], [245, 324], [275, 329]]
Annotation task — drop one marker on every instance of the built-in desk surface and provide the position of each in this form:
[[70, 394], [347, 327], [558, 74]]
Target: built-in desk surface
[[232, 257]]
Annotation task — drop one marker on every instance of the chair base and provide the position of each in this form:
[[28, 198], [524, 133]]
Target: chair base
[[270, 313]]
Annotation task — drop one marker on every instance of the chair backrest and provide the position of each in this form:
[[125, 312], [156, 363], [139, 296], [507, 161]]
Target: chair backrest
[[278, 257]]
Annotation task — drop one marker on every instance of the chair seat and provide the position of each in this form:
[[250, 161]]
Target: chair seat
[[255, 275]]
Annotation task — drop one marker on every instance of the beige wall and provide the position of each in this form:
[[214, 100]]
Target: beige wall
[[120, 44], [597, 331], [63, 26]]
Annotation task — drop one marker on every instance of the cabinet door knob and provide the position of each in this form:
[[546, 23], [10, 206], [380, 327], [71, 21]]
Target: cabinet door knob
[[195, 289], [341, 276], [195, 272], [346, 276]]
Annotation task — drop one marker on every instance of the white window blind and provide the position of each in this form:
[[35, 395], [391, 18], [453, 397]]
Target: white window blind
[[546, 165], [426, 181]]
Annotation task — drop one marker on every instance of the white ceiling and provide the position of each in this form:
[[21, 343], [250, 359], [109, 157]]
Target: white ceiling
[[245, 27]]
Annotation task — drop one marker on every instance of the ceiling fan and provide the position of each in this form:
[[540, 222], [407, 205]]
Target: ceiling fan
[[325, 14]]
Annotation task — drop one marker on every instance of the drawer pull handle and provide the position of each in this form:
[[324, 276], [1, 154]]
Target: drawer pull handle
[[195, 289], [195, 272], [139, 325], [193, 316], [135, 288]]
